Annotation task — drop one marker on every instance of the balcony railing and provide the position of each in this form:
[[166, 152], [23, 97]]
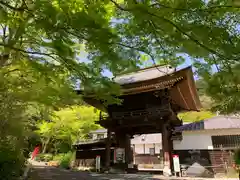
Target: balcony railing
[[154, 111]]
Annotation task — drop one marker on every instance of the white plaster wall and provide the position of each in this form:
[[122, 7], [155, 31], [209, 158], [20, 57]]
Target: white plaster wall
[[191, 140], [158, 147], [139, 148], [194, 140], [94, 135], [147, 146], [201, 139], [105, 135]]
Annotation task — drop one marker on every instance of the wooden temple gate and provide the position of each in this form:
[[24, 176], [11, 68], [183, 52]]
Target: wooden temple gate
[[151, 99]]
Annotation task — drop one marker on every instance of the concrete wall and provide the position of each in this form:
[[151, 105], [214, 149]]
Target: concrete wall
[[139, 148], [198, 140]]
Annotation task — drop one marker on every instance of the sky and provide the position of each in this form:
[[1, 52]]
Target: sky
[[83, 58]]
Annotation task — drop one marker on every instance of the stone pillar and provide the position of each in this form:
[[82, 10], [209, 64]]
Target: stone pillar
[[108, 149], [167, 151]]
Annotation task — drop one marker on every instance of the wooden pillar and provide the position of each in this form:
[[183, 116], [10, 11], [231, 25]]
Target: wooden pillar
[[167, 151], [124, 141], [108, 149], [128, 150]]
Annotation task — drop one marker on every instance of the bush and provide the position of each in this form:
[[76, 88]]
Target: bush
[[237, 156], [66, 160], [44, 157], [58, 157], [11, 161]]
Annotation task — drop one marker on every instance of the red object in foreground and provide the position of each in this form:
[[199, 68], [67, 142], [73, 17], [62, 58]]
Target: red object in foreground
[[35, 152]]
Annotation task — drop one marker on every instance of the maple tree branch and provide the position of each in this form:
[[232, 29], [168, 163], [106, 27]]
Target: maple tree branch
[[27, 52], [11, 7], [13, 70], [177, 27], [210, 8], [186, 34], [155, 34], [118, 6]]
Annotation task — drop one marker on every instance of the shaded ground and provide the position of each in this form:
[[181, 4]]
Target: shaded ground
[[49, 173], [41, 172]]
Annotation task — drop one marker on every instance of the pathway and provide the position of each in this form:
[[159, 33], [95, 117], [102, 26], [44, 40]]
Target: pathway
[[42, 172], [50, 173]]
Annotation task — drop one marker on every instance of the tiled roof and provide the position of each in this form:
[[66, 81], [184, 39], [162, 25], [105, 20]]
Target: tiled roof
[[99, 131], [89, 142], [143, 75], [218, 122]]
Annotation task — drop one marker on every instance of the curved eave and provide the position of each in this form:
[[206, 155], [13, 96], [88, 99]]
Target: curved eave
[[95, 103], [183, 93], [92, 101]]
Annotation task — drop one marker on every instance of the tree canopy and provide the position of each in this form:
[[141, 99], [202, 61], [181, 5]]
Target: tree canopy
[[224, 88], [117, 35], [42, 43], [67, 126], [195, 116]]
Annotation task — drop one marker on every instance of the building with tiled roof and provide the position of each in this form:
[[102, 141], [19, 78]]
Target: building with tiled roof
[[213, 140]]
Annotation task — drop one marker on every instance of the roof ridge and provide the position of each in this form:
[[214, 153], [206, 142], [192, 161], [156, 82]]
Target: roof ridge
[[139, 70], [229, 119]]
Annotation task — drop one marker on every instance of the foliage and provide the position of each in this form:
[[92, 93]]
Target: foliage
[[44, 157], [165, 31], [165, 28], [19, 98], [11, 159], [193, 116], [205, 99], [201, 86], [48, 37], [58, 157], [117, 35], [66, 160], [11, 131], [41, 42], [226, 96], [66, 127], [237, 156]]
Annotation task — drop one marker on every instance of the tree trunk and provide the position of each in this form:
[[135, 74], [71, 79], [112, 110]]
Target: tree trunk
[[45, 145]]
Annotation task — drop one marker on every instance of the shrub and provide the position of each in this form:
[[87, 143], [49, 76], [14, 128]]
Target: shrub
[[44, 157], [58, 157], [237, 156], [66, 160], [11, 161]]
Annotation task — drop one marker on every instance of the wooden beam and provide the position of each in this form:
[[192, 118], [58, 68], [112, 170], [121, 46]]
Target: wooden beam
[[183, 98]]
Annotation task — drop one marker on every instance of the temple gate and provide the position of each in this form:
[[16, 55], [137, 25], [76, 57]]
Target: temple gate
[[151, 99]]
